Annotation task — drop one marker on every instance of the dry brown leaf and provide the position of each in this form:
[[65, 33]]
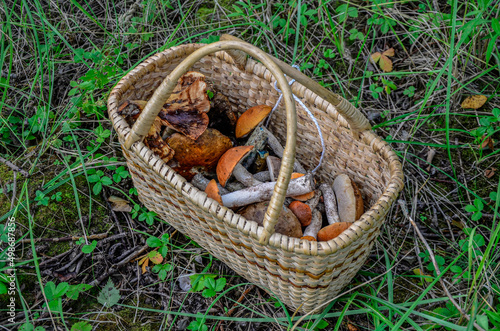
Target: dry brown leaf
[[490, 172], [474, 102], [352, 327], [119, 204], [487, 142], [383, 61]]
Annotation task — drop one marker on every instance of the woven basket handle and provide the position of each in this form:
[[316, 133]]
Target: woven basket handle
[[357, 121], [162, 93]]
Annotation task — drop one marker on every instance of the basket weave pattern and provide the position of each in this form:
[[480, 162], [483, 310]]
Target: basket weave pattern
[[301, 273]]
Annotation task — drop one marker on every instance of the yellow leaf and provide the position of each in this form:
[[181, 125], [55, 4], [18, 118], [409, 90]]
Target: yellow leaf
[[418, 272], [389, 52], [383, 61], [474, 102], [119, 204], [145, 265]]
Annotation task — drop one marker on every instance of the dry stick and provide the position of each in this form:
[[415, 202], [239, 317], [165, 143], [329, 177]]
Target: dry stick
[[68, 238], [402, 203], [330, 203], [14, 167], [275, 145], [231, 311]]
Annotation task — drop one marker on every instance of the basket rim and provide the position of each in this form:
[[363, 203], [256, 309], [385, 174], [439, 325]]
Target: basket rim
[[294, 245]]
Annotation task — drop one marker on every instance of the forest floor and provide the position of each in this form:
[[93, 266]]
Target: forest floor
[[60, 162]]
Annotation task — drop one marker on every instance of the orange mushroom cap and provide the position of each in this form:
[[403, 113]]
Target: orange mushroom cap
[[305, 196], [333, 230], [310, 238], [228, 161], [250, 119], [212, 191], [302, 211]]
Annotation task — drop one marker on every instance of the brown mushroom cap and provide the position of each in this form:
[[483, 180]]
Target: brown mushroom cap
[[212, 191], [349, 200], [228, 161], [155, 142], [302, 211], [302, 197], [203, 152], [287, 225], [250, 119], [185, 110], [332, 231]]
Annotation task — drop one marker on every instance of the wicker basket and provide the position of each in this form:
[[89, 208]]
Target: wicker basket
[[303, 274]]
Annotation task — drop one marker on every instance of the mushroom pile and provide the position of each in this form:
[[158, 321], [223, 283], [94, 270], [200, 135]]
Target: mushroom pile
[[236, 161]]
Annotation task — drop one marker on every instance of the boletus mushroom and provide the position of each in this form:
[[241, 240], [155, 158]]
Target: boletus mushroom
[[333, 230], [212, 191], [186, 108], [302, 211], [250, 119], [302, 197], [287, 225], [229, 164], [349, 199], [311, 232], [203, 153]]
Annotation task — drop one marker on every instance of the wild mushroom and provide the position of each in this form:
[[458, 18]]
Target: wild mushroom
[[258, 139], [349, 199], [264, 191], [185, 110], [276, 147], [330, 201], [203, 152], [302, 197], [212, 191], [287, 224], [201, 182], [311, 232], [333, 230], [154, 142], [302, 211], [229, 164], [250, 119]]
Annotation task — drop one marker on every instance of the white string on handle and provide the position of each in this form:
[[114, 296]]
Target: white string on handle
[[311, 116]]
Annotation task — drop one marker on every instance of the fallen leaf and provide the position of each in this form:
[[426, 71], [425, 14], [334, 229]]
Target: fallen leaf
[[474, 102], [490, 172], [487, 142], [383, 61], [155, 257], [145, 262], [457, 224], [418, 272], [351, 327], [119, 204]]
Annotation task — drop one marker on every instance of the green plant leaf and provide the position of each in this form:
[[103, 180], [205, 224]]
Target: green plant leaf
[[86, 249], [109, 295], [81, 326], [153, 242], [220, 284]]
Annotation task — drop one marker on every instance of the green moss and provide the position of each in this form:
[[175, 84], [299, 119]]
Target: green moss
[[208, 8]]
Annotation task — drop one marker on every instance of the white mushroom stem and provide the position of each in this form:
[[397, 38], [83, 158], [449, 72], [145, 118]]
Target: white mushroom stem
[[258, 139], [264, 191], [244, 177], [273, 166], [313, 202], [330, 204], [275, 145], [263, 176], [199, 181], [313, 228], [234, 186]]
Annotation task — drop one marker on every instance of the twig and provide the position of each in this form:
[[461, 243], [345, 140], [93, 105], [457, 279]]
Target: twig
[[14, 167], [68, 238], [231, 311], [402, 203]]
